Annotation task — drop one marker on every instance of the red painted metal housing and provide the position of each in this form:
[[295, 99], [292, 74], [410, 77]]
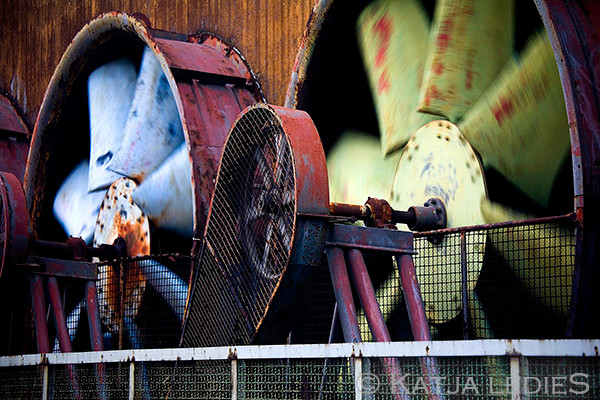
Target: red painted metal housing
[[14, 138], [210, 80]]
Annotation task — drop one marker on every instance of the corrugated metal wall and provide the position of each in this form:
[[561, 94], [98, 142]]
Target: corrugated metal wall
[[35, 33]]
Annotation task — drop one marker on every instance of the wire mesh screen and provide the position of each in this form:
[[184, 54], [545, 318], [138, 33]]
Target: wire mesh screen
[[88, 381], [518, 280], [296, 379], [21, 383], [249, 234], [482, 378], [146, 306]]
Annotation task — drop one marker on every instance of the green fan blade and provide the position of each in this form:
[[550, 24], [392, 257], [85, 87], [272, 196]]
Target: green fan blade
[[520, 124], [469, 44], [393, 37], [358, 170], [542, 258]]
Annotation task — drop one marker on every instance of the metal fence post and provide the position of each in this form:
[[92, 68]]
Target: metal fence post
[[515, 378], [234, 379], [131, 379], [358, 381], [45, 382]]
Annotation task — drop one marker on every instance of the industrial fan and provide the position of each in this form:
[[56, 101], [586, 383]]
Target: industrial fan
[[159, 107], [262, 241], [460, 118]]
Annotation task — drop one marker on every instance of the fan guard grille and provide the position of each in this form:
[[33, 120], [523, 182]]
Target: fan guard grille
[[250, 231]]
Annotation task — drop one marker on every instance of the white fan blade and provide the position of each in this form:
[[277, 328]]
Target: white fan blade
[[74, 207], [168, 284], [166, 195], [110, 93], [153, 128]]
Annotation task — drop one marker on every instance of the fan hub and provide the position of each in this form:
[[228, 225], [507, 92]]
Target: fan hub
[[119, 216], [438, 161]]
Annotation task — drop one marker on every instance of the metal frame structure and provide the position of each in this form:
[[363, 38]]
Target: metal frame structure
[[359, 353]]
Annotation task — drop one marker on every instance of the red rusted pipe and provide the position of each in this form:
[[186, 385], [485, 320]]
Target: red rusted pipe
[[95, 326], [366, 294], [343, 294], [414, 301], [418, 319], [62, 332], [93, 316], [39, 314], [348, 210], [60, 321]]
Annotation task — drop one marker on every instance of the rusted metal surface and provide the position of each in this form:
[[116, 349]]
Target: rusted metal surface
[[120, 217], [343, 294], [386, 240], [65, 268], [38, 304], [207, 105], [58, 312], [91, 299], [14, 138], [348, 210], [574, 32], [14, 223], [414, 301], [366, 294]]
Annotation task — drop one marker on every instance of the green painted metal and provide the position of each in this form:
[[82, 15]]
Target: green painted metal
[[393, 37], [520, 125], [469, 44]]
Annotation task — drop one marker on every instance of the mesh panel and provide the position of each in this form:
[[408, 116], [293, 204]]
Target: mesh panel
[[518, 284], [482, 378], [152, 316], [89, 381], [249, 234], [296, 379], [184, 380], [21, 383]]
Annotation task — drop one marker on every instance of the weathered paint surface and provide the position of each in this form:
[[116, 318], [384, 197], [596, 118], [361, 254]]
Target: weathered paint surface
[[519, 126], [393, 38], [266, 31], [469, 44]]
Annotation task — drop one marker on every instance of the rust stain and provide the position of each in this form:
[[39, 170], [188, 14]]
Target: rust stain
[[503, 110], [383, 29]]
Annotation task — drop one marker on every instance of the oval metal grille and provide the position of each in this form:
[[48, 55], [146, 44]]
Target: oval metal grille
[[249, 234]]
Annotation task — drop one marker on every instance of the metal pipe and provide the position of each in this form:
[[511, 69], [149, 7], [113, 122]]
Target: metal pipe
[[93, 316], [349, 210], [418, 319], [464, 288], [38, 304], [414, 301], [343, 294], [64, 340], [366, 294]]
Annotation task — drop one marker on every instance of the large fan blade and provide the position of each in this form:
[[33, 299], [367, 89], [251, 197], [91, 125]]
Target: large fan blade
[[357, 169], [153, 128], [168, 284], [469, 44], [393, 38], [520, 125], [438, 162], [110, 92], [74, 207], [166, 195], [543, 258]]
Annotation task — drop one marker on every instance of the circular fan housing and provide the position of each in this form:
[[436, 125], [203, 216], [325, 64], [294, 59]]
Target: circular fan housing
[[210, 82], [264, 236]]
